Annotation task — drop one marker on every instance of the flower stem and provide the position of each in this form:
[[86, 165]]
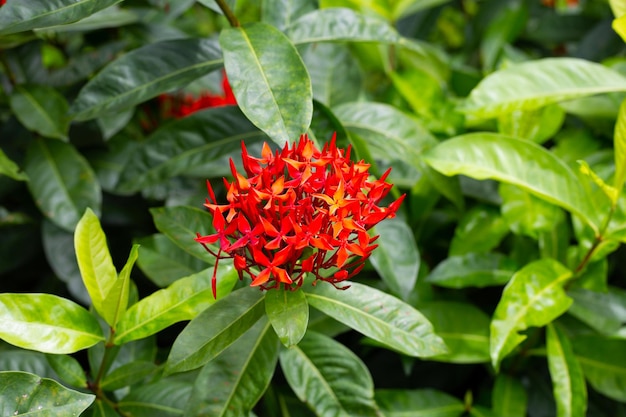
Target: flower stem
[[232, 19]]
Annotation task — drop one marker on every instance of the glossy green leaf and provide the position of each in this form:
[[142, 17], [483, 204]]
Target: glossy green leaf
[[603, 311], [164, 398], [24, 394], [47, 323], [61, 182], [128, 374], [69, 369], [238, 377], [329, 377], [144, 73], [181, 224], [111, 17], [19, 16], [216, 328], [183, 300], [534, 297], [95, 264], [620, 149], [116, 299], [164, 262], [288, 312], [535, 125], [281, 13], [10, 168], [396, 259], [418, 403], [570, 391], [514, 161], [611, 192], [480, 230], [110, 124], [463, 327], [269, 80], [340, 24], [378, 315], [473, 270], [603, 363], [41, 109], [509, 397], [518, 88], [187, 146], [27, 361]]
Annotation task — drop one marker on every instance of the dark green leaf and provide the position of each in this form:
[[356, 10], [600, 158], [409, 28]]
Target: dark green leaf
[[238, 376], [69, 369], [183, 300], [378, 315], [288, 312], [281, 13], [47, 323], [164, 398], [519, 88], [603, 311], [423, 402], [111, 17], [269, 80], [570, 391], [144, 73], [509, 397], [480, 230], [463, 327], [473, 270], [128, 374], [22, 15], [514, 161], [24, 394], [180, 224], [61, 182], [396, 259], [187, 146], [27, 361], [215, 329], [41, 109], [603, 363], [331, 379], [534, 297]]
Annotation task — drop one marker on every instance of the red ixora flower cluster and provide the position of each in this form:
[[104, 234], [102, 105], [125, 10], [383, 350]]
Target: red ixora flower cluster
[[181, 105], [298, 210]]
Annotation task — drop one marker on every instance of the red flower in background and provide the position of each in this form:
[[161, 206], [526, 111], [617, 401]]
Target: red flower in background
[[297, 211], [2, 2], [182, 105]]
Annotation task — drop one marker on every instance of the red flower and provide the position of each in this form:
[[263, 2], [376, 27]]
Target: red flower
[[2, 2], [310, 212]]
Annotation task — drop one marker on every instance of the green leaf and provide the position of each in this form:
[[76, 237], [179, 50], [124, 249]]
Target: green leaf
[[61, 182], [329, 377], [396, 259], [180, 224], [216, 328], [535, 125], [68, 369], [127, 375], [463, 327], [47, 323], [183, 300], [102, 409], [570, 391], [19, 16], [619, 26], [620, 149], [269, 80], [473, 270], [116, 299], [27, 361], [288, 313], [480, 230], [603, 363], [111, 17], [212, 4], [281, 13], [378, 315], [25, 394], [164, 262], [519, 87], [238, 377], [187, 146], [611, 192], [41, 109], [514, 161], [165, 398], [144, 73], [95, 264], [509, 397], [110, 124], [418, 403], [534, 297], [10, 168], [603, 311]]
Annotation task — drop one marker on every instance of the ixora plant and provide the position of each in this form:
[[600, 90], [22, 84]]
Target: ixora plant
[[487, 281]]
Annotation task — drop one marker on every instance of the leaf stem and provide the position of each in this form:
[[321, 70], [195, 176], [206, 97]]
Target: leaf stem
[[596, 242], [232, 19]]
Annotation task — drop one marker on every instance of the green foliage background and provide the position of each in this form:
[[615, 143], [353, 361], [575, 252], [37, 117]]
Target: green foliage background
[[497, 291]]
